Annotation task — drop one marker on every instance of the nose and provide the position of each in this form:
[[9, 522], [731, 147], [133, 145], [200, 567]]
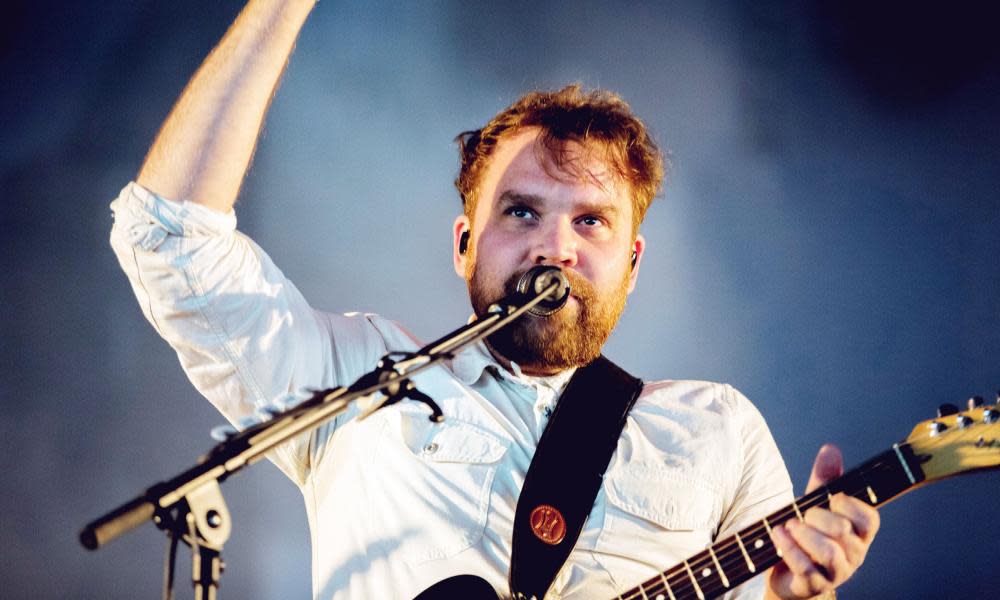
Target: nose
[[556, 244]]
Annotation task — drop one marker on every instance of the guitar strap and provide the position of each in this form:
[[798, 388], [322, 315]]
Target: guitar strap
[[566, 473]]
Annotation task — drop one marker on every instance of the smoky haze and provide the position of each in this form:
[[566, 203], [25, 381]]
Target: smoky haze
[[827, 241]]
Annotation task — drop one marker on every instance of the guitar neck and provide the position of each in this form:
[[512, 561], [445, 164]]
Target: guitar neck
[[746, 554]]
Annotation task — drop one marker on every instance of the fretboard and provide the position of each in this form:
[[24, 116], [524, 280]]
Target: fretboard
[[739, 557]]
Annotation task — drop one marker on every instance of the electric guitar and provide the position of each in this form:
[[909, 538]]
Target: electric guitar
[[952, 444]]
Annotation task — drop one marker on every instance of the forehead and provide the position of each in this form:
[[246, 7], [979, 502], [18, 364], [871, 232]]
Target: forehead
[[521, 163]]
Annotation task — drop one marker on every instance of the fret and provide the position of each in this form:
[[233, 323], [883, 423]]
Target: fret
[[694, 581], [743, 549], [888, 475], [760, 543], [797, 511], [876, 481], [718, 567], [670, 592]]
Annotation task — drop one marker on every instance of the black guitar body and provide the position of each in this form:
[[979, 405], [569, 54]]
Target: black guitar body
[[459, 587]]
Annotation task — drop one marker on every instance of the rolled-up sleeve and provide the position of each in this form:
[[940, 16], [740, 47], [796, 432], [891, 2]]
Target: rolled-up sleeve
[[245, 336]]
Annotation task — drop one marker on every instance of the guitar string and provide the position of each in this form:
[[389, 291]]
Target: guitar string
[[725, 555], [708, 585], [931, 444], [957, 438], [728, 553]]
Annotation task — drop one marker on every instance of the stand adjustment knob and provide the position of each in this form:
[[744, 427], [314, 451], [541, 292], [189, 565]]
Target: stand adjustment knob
[[213, 518]]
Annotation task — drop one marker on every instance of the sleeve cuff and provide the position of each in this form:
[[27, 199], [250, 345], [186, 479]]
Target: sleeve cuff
[[146, 219]]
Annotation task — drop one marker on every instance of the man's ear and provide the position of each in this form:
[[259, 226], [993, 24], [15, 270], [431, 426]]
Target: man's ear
[[460, 244], [638, 247]]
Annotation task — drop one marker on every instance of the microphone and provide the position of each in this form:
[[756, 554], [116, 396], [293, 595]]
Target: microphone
[[536, 280]]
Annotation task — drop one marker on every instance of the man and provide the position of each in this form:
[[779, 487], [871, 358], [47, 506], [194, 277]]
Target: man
[[396, 503]]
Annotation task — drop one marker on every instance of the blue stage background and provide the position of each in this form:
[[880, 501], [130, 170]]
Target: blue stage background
[[828, 241]]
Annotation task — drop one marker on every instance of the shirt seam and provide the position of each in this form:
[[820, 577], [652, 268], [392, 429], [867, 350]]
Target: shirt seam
[[145, 289], [733, 402]]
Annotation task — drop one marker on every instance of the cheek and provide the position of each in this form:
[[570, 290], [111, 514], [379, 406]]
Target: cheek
[[498, 251], [609, 269]]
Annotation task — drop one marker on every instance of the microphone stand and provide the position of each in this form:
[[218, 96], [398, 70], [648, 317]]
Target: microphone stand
[[190, 506]]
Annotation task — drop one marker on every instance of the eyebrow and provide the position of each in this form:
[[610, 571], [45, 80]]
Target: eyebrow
[[530, 200], [535, 201]]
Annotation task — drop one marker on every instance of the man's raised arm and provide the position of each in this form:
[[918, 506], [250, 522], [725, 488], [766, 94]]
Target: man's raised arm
[[246, 337], [204, 147]]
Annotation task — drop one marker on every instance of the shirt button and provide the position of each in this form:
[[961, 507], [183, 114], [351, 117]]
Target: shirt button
[[547, 411], [430, 448]]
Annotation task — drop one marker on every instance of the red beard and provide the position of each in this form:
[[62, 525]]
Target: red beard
[[570, 337]]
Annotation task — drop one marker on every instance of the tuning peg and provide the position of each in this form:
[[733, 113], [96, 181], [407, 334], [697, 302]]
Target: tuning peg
[[991, 415], [935, 428], [976, 402], [946, 409]]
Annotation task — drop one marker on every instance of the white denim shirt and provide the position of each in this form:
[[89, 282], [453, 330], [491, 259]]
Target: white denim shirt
[[395, 502]]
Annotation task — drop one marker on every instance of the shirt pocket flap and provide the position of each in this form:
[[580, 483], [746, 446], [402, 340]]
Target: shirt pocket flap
[[672, 499], [460, 442]]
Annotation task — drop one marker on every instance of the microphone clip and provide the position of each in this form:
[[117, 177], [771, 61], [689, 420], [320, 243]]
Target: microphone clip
[[546, 285]]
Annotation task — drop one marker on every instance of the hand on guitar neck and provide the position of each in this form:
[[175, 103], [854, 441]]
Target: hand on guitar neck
[[824, 548], [820, 552], [820, 539]]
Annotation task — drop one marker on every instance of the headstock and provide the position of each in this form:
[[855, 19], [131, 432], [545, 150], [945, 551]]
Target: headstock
[[958, 441]]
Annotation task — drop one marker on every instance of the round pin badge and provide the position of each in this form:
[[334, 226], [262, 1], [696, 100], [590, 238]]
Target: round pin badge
[[548, 524]]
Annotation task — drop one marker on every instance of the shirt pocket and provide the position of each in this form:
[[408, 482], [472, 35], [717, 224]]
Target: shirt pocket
[[660, 515], [442, 480]]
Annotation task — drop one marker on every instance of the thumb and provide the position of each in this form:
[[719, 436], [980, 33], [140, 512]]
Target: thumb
[[829, 465]]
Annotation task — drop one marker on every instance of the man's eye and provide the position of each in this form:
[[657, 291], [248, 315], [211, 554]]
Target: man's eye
[[520, 212], [590, 221]]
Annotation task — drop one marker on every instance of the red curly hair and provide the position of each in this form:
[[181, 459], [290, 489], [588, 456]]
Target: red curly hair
[[597, 120]]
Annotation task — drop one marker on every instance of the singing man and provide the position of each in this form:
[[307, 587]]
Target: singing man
[[395, 502]]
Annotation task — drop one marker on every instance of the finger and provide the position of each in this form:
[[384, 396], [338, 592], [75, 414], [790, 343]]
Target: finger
[[805, 573], [822, 551], [829, 465], [840, 530], [829, 522], [864, 519]]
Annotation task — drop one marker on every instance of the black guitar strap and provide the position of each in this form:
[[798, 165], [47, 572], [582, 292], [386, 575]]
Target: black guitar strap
[[566, 473]]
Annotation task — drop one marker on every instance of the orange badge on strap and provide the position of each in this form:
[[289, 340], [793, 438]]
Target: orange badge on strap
[[548, 524]]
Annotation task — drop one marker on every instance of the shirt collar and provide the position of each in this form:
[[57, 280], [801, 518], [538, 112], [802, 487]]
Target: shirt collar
[[469, 364]]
